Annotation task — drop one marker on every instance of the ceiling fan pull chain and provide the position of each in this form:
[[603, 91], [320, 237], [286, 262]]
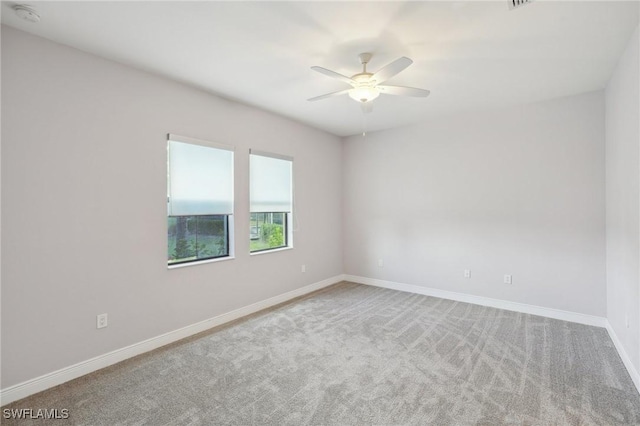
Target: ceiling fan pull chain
[[364, 124]]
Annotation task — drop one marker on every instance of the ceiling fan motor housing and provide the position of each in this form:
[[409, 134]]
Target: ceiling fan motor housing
[[365, 58]]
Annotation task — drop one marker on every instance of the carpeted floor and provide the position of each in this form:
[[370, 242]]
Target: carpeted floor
[[359, 355]]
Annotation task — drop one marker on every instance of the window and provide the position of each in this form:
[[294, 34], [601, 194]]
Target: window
[[199, 201], [271, 201]]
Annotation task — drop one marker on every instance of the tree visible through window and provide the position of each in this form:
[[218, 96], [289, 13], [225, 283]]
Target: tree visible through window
[[268, 231], [197, 237]]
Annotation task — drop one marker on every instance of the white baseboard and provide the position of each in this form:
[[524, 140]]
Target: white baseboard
[[625, 357], [510, 306], [30, 387], [484, 301]]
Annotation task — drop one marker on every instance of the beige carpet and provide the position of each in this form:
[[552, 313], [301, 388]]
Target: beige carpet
[[358, 355]]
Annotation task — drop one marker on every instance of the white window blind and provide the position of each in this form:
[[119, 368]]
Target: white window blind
[[200, 177], [270, 182]]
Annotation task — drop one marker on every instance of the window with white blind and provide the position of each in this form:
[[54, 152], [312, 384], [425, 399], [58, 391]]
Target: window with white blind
[[199, 200], [271, 205]]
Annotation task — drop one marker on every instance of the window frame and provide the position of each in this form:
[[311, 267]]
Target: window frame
[[288, 216], [229, 217]]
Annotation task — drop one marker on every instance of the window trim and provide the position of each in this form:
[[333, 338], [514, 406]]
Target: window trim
[[201, 142], [273, 250], [199, 262], [230, 222], [272, 155], [288, 215]]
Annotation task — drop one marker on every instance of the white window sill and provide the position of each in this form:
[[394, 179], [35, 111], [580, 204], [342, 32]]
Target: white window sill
[[270, 251], [200, 262]]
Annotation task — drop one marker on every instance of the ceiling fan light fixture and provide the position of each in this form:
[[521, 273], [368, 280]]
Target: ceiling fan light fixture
[[366, 86], [364, 93]]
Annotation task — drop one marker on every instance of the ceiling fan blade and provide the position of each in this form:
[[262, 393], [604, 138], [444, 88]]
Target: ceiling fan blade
[[367, 107], [392, 69], [403, 91], [330, 95], [333, 74]]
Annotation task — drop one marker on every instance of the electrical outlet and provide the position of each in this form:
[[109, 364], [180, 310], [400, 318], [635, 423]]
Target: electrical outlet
[[380, 263], [507, 279], [467, 273], [101, 321], [303, 268]]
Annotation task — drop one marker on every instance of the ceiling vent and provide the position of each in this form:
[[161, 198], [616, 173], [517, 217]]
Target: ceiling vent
[[513, 4]]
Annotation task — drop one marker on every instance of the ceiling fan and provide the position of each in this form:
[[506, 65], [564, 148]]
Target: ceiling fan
[[365, 86]]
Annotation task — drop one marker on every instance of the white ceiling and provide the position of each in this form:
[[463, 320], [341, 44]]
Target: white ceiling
[[471, 55]]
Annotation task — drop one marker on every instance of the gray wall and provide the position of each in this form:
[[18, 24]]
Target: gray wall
[[515, 191], [84, 206], [623, 192]]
